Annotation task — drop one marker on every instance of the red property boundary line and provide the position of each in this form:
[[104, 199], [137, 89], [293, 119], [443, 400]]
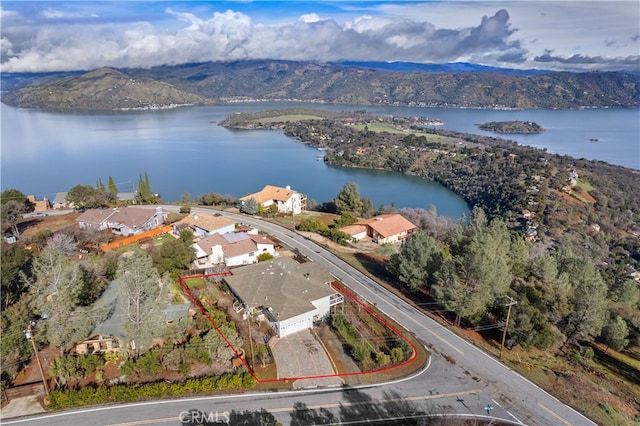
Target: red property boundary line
[[344, 291]]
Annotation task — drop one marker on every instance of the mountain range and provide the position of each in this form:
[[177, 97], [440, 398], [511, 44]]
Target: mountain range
[[457, 85]]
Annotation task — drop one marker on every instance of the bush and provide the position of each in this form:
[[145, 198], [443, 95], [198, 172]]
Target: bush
[[89, 395]]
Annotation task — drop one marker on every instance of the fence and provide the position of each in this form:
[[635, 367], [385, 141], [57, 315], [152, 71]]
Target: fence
[[123, 242]]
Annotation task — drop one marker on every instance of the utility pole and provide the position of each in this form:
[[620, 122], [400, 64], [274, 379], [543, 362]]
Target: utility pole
[[512, 302], [29, 335]]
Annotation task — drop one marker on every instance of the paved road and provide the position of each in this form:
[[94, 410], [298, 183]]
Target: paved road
[[461, 378]]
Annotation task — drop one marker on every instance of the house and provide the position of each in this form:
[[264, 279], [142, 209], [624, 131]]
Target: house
[[9, 238], [286, 199], [98, 344], [204, 225], [122, 220], [291, 296], [383, 229], [232, 249], [60, 201], [126, 197], [39, 205]]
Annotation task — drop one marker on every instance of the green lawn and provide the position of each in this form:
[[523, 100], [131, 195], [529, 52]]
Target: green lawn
[[290, 118]]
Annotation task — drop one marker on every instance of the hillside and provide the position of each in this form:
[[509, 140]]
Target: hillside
[[334, 83], [103, 89]]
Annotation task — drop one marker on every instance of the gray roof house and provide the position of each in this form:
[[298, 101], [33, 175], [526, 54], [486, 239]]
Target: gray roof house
[[291, 295], [122, 220]]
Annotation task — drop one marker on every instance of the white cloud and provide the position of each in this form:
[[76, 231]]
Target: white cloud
[[573, 36]]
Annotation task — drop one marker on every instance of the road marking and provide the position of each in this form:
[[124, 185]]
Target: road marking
[[554, 414], [517, 419], [317, 407], [496, 402]]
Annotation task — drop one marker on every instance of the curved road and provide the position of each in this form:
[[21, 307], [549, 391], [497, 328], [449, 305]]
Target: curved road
[[460, 379]]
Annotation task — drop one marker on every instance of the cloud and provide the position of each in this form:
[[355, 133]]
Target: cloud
[[586, 62], [79, 39]]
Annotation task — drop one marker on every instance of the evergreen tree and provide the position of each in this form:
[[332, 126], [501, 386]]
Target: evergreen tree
[[112, 186], [349, 200], [140, 290], [100, 186], [417, 262]]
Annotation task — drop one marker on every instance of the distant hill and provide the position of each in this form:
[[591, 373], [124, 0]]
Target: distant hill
[[102, 89], [451, 67], [347, 83]]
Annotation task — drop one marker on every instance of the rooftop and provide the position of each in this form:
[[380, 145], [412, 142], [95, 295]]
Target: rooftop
[[206, 221], [284, 285], [270, 192], [388, 224]]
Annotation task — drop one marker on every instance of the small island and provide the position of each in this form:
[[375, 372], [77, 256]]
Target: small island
[[512, 127]]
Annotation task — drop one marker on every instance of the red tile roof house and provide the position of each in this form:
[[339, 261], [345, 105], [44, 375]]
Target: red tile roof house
[[232, 249], [287, 200], [204, 225], [383, 229], [122, 220]]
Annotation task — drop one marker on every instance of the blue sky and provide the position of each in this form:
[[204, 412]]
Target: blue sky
[[82, 35]]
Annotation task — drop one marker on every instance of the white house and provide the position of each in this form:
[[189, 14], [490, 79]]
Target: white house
[[286, 199], [232, 249], [122, 220], [290, 295]]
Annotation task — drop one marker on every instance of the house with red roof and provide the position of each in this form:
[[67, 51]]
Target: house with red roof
[[383, 229], [286, 199]]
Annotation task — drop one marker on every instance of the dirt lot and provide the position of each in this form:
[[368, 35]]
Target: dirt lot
[[29, 227]]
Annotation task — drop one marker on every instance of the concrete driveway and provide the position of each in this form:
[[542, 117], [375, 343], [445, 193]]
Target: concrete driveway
[[301, 355]]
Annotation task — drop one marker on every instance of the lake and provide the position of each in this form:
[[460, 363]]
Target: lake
[[184, 150]]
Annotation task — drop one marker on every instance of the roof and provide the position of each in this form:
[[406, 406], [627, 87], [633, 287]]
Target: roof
[[261, 239], [176, 312], [239, 248], [354, 229], [270, 192], [284, 285], [211, 241], [206, 221], [95, 216], [126, 196], [132, 218], [60, 198], [388, 224]]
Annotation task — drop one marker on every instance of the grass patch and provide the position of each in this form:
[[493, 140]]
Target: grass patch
[[291, 118], [377, 128]]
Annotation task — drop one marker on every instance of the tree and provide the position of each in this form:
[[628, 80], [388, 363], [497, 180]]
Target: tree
[[349, 200], [13, 195], [140, 289], [217, 348], [112, 186], [175, 254], [249, 207], [144, 190], [417, 262], [16, 269], [12, 212], [85, 196], [588, 302], [58, 291], [615, 333], [479, 272]]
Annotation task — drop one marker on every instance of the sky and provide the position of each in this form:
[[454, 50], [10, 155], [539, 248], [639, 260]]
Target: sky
[[575, 35]]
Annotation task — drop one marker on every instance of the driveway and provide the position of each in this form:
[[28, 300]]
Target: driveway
[[301, 355]]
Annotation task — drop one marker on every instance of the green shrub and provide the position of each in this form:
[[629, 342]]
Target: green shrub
[[60, 399]]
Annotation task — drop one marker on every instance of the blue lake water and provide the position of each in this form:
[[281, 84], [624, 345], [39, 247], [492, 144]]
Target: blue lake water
[[184, 150]]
